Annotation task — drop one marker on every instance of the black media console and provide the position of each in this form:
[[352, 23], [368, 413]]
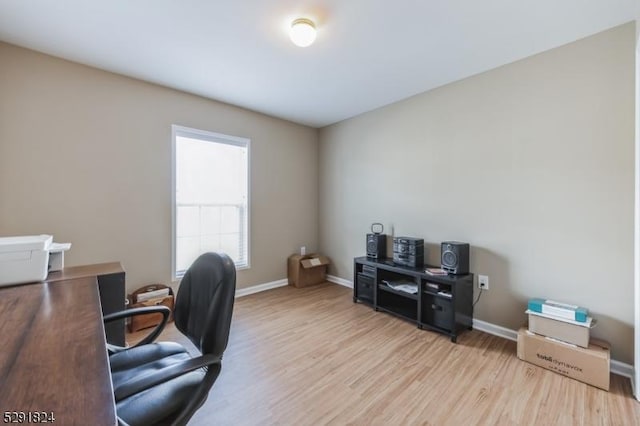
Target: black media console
[[443, 303]]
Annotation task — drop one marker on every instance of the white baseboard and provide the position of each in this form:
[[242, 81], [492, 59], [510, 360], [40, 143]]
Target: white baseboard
[[261, 287], [617, 367], [496, 330], [283, 282], [340, 281], [622, 369]]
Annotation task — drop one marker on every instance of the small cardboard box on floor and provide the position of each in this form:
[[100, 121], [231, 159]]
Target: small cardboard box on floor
[[306, 270], [589, 365]]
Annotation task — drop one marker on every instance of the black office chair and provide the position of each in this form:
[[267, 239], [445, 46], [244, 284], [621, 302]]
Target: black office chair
[[160, 383]]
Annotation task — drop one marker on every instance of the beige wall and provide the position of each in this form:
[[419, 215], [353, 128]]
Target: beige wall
[[85, 155], [531, 163]]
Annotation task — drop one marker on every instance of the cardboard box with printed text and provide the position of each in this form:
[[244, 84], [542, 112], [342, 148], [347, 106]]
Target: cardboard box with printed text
[[589, 365]]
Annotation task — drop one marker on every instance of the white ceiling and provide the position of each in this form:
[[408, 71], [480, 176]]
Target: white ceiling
[[368, 53]]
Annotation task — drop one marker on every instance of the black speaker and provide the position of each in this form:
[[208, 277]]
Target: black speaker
[[454, 257], [377, 246]]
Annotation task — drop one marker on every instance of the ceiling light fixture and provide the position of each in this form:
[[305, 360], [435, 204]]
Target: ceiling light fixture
[[303, 32]]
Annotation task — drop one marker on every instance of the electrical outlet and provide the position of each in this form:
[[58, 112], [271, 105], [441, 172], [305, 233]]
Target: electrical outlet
[[483, 282]]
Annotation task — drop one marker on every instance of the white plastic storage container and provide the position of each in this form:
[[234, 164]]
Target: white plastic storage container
[[24, 259]]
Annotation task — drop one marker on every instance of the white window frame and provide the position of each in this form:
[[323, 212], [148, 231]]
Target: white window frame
[[177, 130]]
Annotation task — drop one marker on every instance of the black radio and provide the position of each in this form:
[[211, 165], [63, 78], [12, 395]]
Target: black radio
[[408, 245], [408, 251], [408, 260]]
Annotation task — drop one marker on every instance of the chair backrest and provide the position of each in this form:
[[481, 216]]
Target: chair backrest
[[204, 303]]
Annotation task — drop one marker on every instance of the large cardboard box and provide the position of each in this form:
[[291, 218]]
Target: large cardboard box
[[574, 332], [306, 270], [589, 365]]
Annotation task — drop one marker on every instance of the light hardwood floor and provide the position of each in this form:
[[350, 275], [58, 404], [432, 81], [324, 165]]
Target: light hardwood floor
[[313, 357]]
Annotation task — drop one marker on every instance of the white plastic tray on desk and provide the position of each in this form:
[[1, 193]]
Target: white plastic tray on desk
[[24, 259]]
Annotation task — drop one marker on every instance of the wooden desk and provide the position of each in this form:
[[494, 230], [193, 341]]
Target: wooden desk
[[97, 270], [53, 355], [111, 286]]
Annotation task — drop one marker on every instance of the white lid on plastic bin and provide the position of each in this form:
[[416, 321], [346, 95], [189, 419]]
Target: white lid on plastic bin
[[24, 243]]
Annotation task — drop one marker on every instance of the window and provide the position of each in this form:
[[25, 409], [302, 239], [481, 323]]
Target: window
[[210, 197]]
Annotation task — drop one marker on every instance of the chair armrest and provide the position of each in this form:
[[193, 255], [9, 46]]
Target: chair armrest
[[141, 311], [141, 383], [137, 311]]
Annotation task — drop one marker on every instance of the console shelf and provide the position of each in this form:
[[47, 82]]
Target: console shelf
[[385, 287], [443, 304]]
